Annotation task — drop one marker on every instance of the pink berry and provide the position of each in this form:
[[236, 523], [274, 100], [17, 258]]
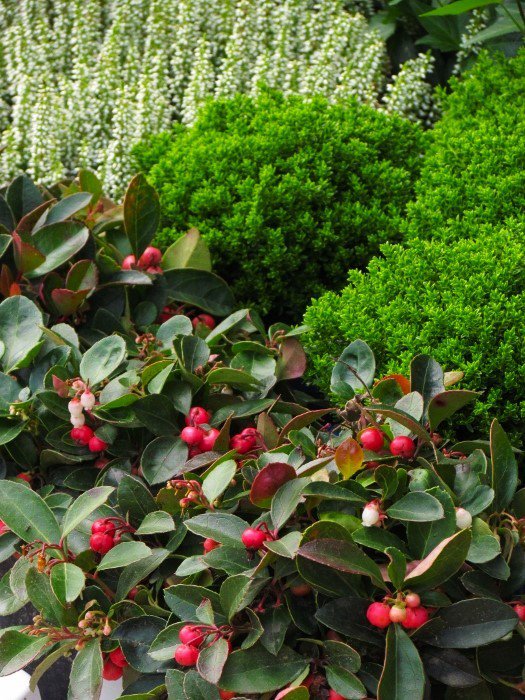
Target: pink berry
[[117, 657], [245, 441], [192, 436], [519, 609], [101, 543], [208, 545], [82, 435], [372, 439], [412, 600], [403, 446], [378, 614], [132, 594], [111, 672], [129, 262], [3, 528], [150, 257], [25, 477], [334, 695], [397, 613], [209, 440], [253, 539], [197, 416], [226, 694], [96, 444], [205, 319], [190, 635], [104, 526], [186, 655], [415, 617]]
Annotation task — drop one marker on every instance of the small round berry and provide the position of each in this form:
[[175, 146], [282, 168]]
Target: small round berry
[[463, 518], [25, 477], [397, 613], [87, 400], [209, 440], [190, 635], [370, 515], [101, 462], [117, 657], [378, 614], [253, 539], [300, 590], [75, 408], [334, 695], [3, 527], [415, 617], [111, 671], [412, 600], [197, 416], [186, 655], [154, 270], [372, 439], [226, 694], [208, 545], [104, 526], [192, 436], [132, 594], [403, 446], [150, 257], [77, 421], [519, 609], [243, 443], [129, 262], [101, 543], [205, 320], [82, 435], [96, 444]]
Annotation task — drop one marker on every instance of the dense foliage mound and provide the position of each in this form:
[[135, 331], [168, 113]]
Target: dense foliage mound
[[287, 193], [459, 295]]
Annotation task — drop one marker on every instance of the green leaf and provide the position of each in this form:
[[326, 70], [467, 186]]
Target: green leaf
[[444, 405], [102, 359], [416, 506], [442, 562], [23, 196], [20, 321], [163, 458], [59, 243], [343, 556], [138, 571], [6, 216], [451, 668], [221, 527], [134, 499], [402, 418], [84, 505], [354, 370], [472, 623], [190, 250], [9, 430], [341, 654], [504, 468], [157, 522], [45, 601], [423, 537], [286, 501], [86, 672], [200, 288], [218, 479], [484, 546], [211, 661], [412, 405], [175, 684], [459, 7], [255, 670], [233, 377], [226, 325], [27, 514], [403, 676], [68, 207], [397, 567], [157, 413], [347, 616], [17, 650], [345, 683], [237, 592], [67, 582], [185, 601], [123, 554], [141, 213], [197, 688], [426, 377], [136, 636]]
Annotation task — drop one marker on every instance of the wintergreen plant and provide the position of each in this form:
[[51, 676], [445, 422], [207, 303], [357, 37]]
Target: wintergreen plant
[[81, 82]]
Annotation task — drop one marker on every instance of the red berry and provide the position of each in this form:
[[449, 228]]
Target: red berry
[[209, 440], [189, 634], [25, 476], [117, 657], [150, 257], [205, 319], [192, 436], [210, 544], [412, 600], [415, 618], [333, 695], [129, 262], [132, 594], [106, 527], [397, 613], [101, 543], [3, 528], [226, 694], [519, 609], [378, 614], [197, 416], [186, 655], [96, 444], [372, 439], [243, 443], [253, 539], [82, 435], [111, 672], [301, 590], [403, 446], [101, 462]]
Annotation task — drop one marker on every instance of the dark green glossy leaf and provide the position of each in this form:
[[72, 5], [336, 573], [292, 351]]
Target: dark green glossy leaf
[[403, 676]]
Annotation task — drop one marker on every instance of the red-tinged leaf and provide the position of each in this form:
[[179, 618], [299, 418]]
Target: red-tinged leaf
[[60, 387], [403, 381], [6, 280], [27, 222], [268, 481], [301, 421], [349, 457], [444, 405], [292, 363], [15, 290], [268, 430], [83, 275], [26, 257], [442, 562], [66, 301]]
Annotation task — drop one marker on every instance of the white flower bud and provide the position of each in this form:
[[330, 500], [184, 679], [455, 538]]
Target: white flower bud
[[87, 400], [78, 421], [370, 515], [75, 407], [463, 518]]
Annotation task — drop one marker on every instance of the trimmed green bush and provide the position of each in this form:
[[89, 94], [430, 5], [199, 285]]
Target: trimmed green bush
[[288, 193]]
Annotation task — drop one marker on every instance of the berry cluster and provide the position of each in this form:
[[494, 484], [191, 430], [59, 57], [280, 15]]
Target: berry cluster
[[195, 435], [114, 665], [194, 638], [106, 533], [246, 441], [149, 261], [82, 433], [406, 609], [373, 439]]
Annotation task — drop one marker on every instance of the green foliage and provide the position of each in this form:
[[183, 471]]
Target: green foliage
[[287, 193]]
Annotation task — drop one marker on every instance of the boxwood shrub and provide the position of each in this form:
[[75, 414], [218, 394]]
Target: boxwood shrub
[[288, 193]]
